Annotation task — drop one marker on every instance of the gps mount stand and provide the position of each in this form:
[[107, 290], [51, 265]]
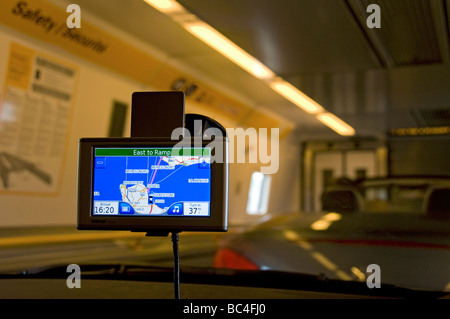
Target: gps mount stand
[[158, 114], [188, 155]]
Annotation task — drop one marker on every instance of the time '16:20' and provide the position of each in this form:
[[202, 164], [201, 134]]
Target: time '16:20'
[[103, 210]]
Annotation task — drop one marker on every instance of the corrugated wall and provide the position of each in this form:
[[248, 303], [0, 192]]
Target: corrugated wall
[[419, 156]]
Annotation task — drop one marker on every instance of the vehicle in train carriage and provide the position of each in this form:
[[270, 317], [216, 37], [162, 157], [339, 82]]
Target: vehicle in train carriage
[[399, 224], [408, 194]]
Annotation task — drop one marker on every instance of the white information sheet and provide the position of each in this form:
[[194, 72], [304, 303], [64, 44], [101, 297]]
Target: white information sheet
[[35, 116]]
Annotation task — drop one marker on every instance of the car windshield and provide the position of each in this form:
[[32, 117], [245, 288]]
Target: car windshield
[[395, 198], [323, 132]]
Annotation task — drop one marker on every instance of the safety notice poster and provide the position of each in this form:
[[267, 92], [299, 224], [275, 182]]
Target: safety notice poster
[[35, 116]]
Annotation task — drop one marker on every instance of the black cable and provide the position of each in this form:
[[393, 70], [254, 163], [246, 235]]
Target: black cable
[[176, 265]]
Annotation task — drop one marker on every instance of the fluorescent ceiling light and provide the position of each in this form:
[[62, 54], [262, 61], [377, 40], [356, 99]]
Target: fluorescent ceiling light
[[166, 6], [296, 96], [227, 48], [336, 124], [234, 53], [212, 37]]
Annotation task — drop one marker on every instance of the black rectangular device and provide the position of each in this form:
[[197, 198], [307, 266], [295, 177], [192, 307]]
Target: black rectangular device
[[156, 114], [152, 184]]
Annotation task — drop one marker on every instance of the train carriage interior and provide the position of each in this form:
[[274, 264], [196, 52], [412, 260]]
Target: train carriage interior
[[336, 182]]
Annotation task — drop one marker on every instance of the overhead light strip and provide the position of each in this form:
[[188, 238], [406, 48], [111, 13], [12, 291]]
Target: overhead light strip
[[296, 96], [230, 50], [166, 6], [336, 124]]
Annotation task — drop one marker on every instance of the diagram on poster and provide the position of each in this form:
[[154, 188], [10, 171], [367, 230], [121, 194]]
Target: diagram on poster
[[35, 114]]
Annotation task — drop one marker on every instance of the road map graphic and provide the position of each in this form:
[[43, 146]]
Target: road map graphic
[[152, 181]]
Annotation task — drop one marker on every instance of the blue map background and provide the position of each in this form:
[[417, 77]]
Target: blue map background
[[111, 173]]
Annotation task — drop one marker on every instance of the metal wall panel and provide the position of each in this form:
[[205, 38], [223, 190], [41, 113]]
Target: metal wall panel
[[419, 156]]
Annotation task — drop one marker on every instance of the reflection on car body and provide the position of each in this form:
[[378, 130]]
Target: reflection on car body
[[407, 233]]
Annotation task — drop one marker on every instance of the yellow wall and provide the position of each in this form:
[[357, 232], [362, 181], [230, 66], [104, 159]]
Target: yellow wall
[[97, 88]]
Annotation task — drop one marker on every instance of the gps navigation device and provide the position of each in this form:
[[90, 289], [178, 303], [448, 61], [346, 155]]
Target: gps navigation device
[[145, 184]]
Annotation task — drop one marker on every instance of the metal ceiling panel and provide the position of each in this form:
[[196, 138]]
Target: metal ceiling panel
[[374, 79], [291, 37], [409, 30], [433, 117]]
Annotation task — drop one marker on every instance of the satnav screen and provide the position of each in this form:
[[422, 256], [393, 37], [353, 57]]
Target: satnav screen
[[152, 181]]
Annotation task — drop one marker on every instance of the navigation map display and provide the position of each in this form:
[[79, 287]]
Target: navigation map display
[[152, 181]]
